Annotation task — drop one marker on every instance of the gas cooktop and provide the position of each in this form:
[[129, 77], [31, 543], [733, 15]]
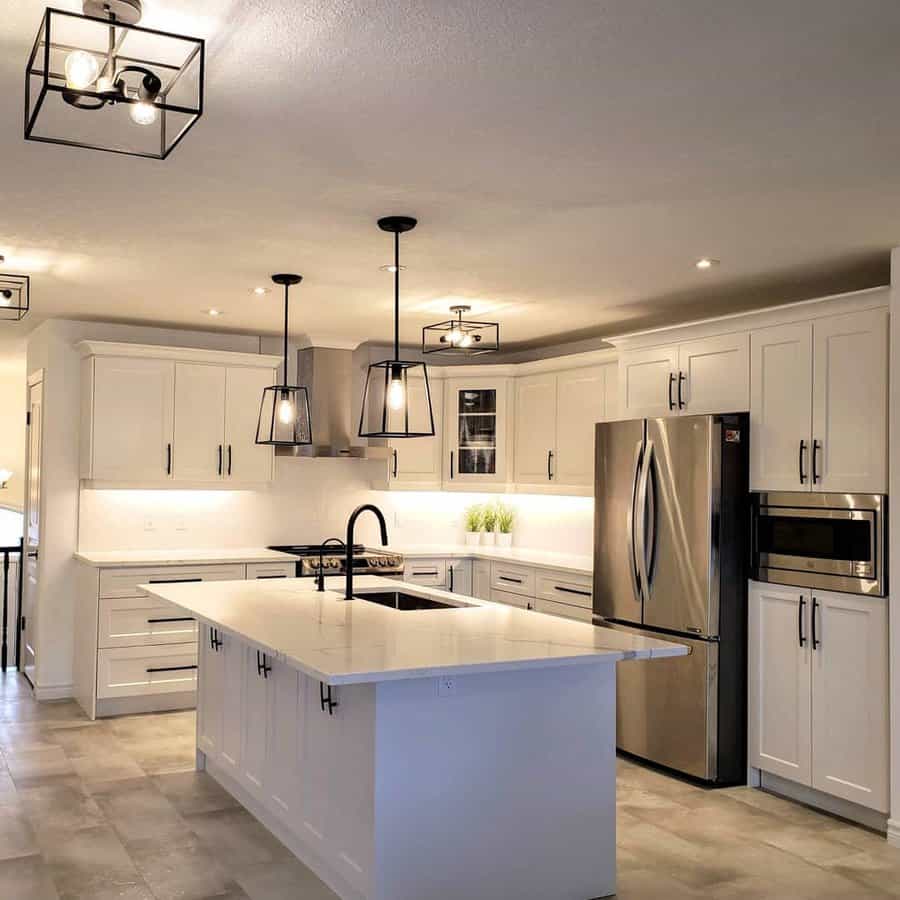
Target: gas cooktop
[[366, 561]]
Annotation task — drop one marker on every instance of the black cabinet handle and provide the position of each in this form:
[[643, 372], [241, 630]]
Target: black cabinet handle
[[220, 459], [815, 473], [229, 460], [173, 580], [800, 461], [507, 578], [671, 382], [549, 465], [171, 619], [815, 640], [215, 642], [171, 669], [451, 465], [395, 464], [262, 664], [415, 572], [682, 378], [565, 590], [800, 635], [168, 459], [451, 579], [326, 700], [269, 577]]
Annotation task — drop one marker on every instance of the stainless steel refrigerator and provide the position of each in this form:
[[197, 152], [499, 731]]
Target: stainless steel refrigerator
[[671, 548]]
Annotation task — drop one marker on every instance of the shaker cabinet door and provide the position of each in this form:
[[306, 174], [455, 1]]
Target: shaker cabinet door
[[581, 402], [714, 375], [245, 460], [199, 422], [535, 429], [648, 383]]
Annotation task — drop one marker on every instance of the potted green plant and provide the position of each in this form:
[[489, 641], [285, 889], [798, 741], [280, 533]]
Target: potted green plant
[[473, 522], [488, 524], [505, 519]]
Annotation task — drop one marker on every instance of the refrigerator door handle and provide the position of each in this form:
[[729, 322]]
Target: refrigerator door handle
[[650, 512], [642, 499], [632, 548]]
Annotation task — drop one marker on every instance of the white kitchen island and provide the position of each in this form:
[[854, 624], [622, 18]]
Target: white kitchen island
[[439, 754]]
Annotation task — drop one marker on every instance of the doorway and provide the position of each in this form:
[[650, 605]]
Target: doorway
[[31, 567]]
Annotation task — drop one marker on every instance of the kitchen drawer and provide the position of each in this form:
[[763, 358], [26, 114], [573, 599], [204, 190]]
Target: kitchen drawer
[[511, 599], [512, 578], [428, 572], [137, 621], [271, 570], [565, 587], [578, 613], [124, 582], [143, 671]]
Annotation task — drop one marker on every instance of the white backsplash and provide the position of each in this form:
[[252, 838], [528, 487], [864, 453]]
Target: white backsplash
[[310, 500]]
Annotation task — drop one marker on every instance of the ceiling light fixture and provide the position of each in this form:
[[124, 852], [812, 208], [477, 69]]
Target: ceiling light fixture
[[706, 262], [213, 312], [101, 61], [259, 291], [15, 296], [392, 268], [284, 419], [396, 401], [461, 336]]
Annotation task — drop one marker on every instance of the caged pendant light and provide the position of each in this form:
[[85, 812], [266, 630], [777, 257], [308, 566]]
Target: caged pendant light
[[396, 401], [284, 419]]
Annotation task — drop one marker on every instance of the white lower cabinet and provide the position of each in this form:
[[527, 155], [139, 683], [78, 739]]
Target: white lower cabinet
[[481, 579], [210, 692], [142, 671], [819, 690], [519, 600], [254, 720]]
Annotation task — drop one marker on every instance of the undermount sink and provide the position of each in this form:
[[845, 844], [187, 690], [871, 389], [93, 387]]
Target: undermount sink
[[402, 601]]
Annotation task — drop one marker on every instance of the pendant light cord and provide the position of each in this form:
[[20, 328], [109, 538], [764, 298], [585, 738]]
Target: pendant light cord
[[396, 295], [285, 332]]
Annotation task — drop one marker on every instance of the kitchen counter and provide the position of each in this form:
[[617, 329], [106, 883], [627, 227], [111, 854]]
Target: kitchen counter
[[438, 753], [111, 559], [340, 642], [571, 562]]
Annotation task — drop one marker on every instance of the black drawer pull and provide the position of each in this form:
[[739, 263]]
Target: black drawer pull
[[171, 669], [262, 664], [215, 642], [800, 461], [800, 636], [425, 572], [815, 639], [566, 590], [325, 698], [264, 577], [173, 580], [507, 578], [171, 619]]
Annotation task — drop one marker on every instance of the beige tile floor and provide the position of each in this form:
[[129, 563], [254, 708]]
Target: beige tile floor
[[113, 809]]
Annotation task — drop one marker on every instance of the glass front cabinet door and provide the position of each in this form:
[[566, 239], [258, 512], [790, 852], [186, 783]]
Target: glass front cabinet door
[[475, 429]]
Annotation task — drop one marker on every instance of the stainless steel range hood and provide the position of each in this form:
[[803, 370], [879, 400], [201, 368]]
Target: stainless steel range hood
[[327, 373]]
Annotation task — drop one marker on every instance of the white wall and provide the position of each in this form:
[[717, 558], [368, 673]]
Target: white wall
[[12, 428]]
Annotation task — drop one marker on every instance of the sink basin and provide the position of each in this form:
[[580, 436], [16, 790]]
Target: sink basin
[[402, 601]]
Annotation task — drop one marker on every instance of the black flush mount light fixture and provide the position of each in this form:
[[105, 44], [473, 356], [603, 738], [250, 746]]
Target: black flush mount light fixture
[[284, 419], [98, 80], [460, 336], [15, 296], [396, 401]]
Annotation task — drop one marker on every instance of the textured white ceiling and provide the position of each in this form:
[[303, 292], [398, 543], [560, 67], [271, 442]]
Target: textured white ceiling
[[568, 161]]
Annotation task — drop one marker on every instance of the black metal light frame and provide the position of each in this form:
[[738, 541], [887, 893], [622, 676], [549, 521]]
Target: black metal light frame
[[39, 65], [485, 335], [267, 428], [382, 374], [15, 297]]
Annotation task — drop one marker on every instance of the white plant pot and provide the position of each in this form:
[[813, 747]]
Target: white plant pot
[[504, 540], [473, 538], [487, 538]]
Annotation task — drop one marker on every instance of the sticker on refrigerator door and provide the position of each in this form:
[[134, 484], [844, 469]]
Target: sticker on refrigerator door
[[732, 435]]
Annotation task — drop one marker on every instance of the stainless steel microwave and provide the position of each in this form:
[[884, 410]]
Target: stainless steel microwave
[[834, 542]]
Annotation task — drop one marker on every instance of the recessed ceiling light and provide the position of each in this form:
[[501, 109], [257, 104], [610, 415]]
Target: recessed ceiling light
[[213, 312], [259, 291], [392, 268], [706, 263]]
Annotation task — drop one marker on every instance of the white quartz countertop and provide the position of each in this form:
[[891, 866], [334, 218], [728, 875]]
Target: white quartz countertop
[[344, 642], [121, 558], [545, 559]]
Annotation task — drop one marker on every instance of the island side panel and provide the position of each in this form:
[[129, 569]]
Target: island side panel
[[503, 786]]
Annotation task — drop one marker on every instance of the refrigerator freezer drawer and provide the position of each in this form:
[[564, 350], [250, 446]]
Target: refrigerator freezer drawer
[[666, 710]]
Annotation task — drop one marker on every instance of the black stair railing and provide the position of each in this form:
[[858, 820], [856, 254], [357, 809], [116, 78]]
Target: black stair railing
[[8, 552]]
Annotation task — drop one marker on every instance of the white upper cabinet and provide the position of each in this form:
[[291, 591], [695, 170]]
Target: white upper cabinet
[[583, 398], [536, 418], [158, 414], [781, 407], [131, 403], [475, 432], [714, 375], [648, 382], [416, 463], [818, 408], [199, 445], [245, 460], [850, 720], [849, 403]]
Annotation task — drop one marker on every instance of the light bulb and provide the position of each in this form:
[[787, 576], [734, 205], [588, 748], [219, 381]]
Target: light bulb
[[396, 394], [465, 340], [6, 298], [143, 113], [455, 337], [5, 475], [286, 411], [82, 70]]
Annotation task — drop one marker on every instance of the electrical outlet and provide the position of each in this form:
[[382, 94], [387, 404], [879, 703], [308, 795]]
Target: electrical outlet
[[149, 524], [446, 686], [180, 524]]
